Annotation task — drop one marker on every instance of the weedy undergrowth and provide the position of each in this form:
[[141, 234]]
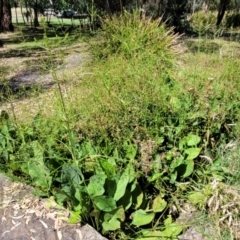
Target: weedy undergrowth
[[139, 144]]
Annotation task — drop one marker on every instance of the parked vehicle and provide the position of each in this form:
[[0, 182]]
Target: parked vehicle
[[65, 14]]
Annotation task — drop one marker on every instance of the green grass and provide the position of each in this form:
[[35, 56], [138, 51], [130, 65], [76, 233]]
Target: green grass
[[147, 129], [53, 20]]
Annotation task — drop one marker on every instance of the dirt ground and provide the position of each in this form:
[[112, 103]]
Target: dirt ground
[[21, 70]]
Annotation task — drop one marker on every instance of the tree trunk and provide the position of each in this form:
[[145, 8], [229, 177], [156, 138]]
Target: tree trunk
[[221, 11], [5, 16], [35, 13]]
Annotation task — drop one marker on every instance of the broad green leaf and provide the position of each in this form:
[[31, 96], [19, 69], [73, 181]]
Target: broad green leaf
[[121, 186], [36, 168], [126, 200], [104, 203], [39, 174], [86, 203], [173, 230], [78, 194], [40, 193], [60, 195], [160, 140], [118, 213], [169, 156], [108, 167], [71, 175], [96, 185], [159, 204], [192, 140], [108, 216], [111, 225], [69, 190], [77, 206], [140, 217], [122, 183], [175, 163], [197, 198], [133, 186], [110, 186], [168, 220], [192, 152], [173, 177], [189, 167], [131, 172], [137, 196]]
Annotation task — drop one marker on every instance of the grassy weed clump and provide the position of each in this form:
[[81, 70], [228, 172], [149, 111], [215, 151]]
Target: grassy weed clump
[[132, 85], [134, 36]]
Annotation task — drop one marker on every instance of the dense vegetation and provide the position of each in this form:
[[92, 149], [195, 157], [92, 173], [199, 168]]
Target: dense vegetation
[[140, 135]]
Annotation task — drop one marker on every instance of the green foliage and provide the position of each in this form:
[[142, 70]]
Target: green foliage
[[106, 193], [202, 22], [134, 36], [232, 20]]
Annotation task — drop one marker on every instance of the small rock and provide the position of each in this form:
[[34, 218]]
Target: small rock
[[198, 233]]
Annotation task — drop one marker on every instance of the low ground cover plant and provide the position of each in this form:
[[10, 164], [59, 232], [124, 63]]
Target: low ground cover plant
[[141, 139]]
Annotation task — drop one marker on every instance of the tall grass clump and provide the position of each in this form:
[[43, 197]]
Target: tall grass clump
[[135, 36], [132, 84]]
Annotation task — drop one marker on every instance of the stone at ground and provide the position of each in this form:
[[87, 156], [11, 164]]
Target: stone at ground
[[198, 233], [197, 230], [25, 216]]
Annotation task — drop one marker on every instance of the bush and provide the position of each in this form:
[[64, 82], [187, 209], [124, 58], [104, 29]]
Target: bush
[[134, 36], [202, 23]]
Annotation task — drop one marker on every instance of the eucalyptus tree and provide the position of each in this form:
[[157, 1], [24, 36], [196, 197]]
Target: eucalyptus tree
[[221, 10], [5, 16]]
